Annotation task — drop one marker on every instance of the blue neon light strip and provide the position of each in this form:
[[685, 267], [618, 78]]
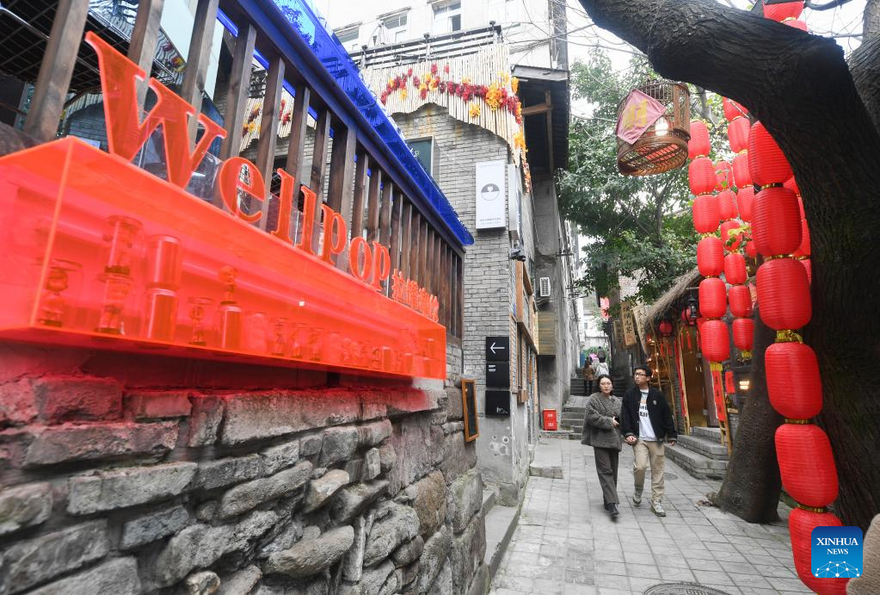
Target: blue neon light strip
[[340, 67]]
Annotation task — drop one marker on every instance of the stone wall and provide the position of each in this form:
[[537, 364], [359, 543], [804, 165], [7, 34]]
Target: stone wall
[[125, 475]]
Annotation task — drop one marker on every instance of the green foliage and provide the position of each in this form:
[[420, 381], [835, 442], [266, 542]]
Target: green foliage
[[638, 227]]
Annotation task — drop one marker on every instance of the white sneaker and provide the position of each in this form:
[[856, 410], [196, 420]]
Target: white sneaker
[[637, 498], [657, 508]]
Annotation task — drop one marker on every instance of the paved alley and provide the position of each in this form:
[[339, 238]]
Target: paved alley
[[567, 544]]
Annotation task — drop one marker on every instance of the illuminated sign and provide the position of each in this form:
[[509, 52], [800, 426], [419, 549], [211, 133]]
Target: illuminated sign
[[105, 255]]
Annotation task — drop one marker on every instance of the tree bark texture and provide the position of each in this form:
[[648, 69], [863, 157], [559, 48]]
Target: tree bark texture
[[865, 66], [800, 87], [752, 484]]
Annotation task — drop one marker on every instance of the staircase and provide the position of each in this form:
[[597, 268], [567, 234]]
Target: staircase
[[574, 410], [701, 454]]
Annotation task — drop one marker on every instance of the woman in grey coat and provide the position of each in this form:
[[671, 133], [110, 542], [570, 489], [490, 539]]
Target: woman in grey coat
[[601, 432]]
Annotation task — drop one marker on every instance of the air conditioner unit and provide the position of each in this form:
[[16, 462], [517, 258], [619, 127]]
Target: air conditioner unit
[[544, 287]]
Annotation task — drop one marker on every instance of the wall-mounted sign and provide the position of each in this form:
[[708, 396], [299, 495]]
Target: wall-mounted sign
[[469, 408], [491, 195], [498, 374], [629, 325], [497, 403], [497, 349], [102, 254]]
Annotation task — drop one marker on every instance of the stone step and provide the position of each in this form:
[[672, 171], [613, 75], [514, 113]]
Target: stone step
[[697, 465], [501, 522], [561, 434], [576, 418], [574, 411], [710, 433], [488, 501], [705, 446]]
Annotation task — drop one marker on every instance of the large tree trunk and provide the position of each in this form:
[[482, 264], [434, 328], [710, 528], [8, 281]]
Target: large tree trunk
[[799, 86], [752, 485]]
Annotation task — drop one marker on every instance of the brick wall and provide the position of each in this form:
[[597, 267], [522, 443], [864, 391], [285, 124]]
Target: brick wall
[[125, 475]]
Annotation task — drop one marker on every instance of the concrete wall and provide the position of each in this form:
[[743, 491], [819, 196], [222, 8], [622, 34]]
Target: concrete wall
[[502, 447], [554, 371]]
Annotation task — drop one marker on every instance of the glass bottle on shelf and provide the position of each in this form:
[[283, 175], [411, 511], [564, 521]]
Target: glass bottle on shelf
[[197, 307], [229, 323], [164, 268], [117, 280], [52, 302]]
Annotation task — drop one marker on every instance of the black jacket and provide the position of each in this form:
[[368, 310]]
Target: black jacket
[[658, 412]]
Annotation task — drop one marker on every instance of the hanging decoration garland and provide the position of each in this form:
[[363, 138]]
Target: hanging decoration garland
[[806, 461]]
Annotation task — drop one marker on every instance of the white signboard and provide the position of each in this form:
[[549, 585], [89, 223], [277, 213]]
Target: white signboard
[[491, 196]]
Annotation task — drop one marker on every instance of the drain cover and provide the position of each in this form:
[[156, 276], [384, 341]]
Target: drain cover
[[683, 589]]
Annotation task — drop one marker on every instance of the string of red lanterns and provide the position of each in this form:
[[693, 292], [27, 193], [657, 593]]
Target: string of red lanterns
[[781, 236]]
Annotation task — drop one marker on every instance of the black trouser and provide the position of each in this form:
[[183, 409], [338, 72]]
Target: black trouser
[[606, 468]]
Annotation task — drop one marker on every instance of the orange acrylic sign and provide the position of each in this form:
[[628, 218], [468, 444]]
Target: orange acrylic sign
[[102, 254], [126, 134]]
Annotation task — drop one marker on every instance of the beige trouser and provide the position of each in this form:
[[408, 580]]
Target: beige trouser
[[655, 452]]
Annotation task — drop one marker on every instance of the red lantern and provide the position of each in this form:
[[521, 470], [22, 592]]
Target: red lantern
[[732, 109], [750, 250], [706, 215], [665, 328], [808, 266], [806, 464], [698, 146], [766, 160], [738, 134], [710, 256], [776, 223], [744, 199], [735, 268], [742, 177], [804, 248], [784, 294], [800, 527], [740, 299], [715, 341], [801, 206], [713, 297], [786, 10], [727, 204], [797, 24], [792, 185], [743, 333], [731, 242], [793, 381], [700, 322], [701, 176], [722, 175]]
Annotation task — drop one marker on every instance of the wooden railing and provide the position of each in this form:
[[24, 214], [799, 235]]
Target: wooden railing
[[367, 182]]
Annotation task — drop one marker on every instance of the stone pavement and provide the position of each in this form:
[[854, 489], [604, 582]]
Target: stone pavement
[[567, 544]]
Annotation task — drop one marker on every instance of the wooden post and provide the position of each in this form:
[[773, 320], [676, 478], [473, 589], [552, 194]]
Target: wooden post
[[56, 70], [142, 47], [342, 170], [385, 216], [269, 134], [197, 60], [375, 195], [416, 251], [296, 147], [319, 165], [396, 210], [360, 191], [237, 93], [407, 238]]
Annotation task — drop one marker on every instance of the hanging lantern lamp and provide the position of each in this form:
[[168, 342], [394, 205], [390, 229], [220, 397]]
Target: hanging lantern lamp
[[744, 200], [776, 221], [742, 176], [731, 242], [735, 268], [806, 464], [706, 214], [740, 299], [715, 341], [710, 256], [732, 109], [713, 297], [698, 146], [793, 381], [785, 10], [784, 294], [701, 176], [767, 162], [738, 134]]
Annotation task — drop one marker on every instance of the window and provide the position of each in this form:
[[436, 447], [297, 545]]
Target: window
[[395, 28], [447, 18], [349, 38]]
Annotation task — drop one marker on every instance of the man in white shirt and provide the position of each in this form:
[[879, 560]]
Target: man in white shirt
[[646, 421]]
